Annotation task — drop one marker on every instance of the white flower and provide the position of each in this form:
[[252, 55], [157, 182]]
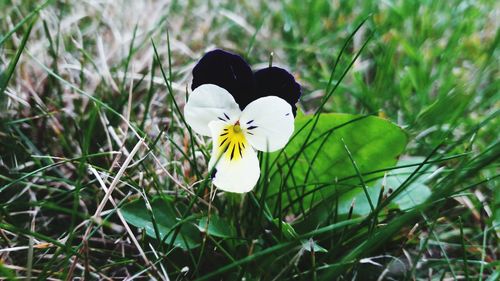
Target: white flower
[[266, 124]]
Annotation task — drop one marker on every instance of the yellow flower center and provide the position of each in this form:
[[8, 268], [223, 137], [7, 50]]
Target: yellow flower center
[[237, 128], [232, 142]]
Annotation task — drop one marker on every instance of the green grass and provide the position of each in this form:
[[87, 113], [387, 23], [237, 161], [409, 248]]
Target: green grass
[[403, 185]]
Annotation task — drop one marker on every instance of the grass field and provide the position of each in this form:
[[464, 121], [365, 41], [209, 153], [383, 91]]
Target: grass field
[[392, 173]]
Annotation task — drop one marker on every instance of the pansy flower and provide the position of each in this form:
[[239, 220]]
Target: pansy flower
[[243, 111]]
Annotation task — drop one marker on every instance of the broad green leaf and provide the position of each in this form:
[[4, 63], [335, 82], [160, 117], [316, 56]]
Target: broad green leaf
[[374, 143], [217, 227], [357, 198], [416, 193], [166, 218]]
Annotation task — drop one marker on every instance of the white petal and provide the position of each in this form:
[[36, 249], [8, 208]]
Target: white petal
[[268, 122], [207, 103], [234, 173]]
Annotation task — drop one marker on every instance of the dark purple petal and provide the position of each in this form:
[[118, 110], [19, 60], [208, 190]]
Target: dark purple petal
[[228, 71], [275, 81]]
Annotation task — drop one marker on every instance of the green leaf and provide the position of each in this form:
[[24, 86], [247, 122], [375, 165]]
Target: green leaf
[[357, 198], [166, 217], [6, 272], [290, 234], [310, 246], [286, 228], [374, 143], [217, 227], [439, 113], [416, 193], [5, 77]]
